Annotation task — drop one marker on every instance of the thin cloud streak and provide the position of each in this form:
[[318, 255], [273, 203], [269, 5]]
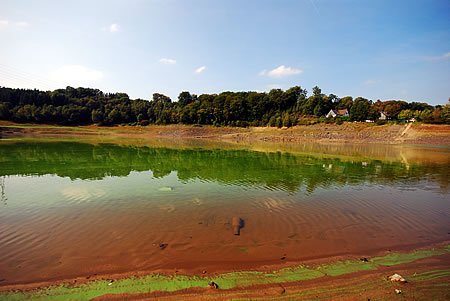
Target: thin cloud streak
[[315, 7], [281, 71], [6, 23], [371, 81], [114, 27], [168, 61], [440, 57], [200, 70]]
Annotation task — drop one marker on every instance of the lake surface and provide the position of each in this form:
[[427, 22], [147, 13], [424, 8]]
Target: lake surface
[[71, 209]]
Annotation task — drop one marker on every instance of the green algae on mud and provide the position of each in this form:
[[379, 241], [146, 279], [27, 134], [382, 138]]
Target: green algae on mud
[[243, 279], [431, 275], [398, 258]]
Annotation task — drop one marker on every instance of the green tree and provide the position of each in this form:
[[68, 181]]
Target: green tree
[[345, 103], [4, 111], [185, 98], [360, 109], [97, 116], [445, 116], [426, 116], [374, 112], [113, 116], [157, 97], [405, 115]]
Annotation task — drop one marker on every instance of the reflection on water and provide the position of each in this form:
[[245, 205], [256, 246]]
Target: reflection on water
[[271, 170], [3, 197], [71, 209]]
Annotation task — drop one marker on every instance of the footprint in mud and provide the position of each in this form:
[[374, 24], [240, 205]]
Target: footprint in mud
[[167, 207]]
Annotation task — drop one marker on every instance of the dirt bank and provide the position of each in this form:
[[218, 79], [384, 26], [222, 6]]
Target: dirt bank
[[322, 133], [427, 272]]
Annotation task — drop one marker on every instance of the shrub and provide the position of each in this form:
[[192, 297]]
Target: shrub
[[144, 122], [272, 121], [243, 124], [279, 122]]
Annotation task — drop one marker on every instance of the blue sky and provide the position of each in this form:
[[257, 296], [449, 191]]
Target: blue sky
[[374, 49]]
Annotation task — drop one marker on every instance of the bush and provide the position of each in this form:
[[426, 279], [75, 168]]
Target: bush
[[339, 121], [272, 121], [243, 124], [255, 123], [293, 120], [144, 122], [279, 122], [380, 122], [287, 121]]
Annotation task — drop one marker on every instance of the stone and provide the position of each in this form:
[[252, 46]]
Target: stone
[[397, 278], [213, 285]]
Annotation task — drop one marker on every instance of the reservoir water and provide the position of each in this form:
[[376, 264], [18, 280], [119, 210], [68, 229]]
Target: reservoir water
[[70, 209]]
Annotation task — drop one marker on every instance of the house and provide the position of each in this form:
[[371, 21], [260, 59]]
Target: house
[[334, 113], [385, 116]]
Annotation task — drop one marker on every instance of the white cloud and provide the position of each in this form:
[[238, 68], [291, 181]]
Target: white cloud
[[201, 69], [274, 86], [436, 58], [281, 71], [4, 23], [114, 27], [371, 81], [168, 61], [76, 74], [262, 73], [21, 24]]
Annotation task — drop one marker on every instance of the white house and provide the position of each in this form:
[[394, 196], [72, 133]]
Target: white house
[[334, 113], [385, 116]]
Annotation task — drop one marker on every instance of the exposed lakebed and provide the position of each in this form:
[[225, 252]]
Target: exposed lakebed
[[72, 209]]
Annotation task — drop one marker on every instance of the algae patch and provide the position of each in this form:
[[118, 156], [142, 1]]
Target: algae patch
[[153, 283], [398, 258]]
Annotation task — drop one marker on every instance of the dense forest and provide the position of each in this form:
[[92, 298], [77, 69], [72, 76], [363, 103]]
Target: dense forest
[[82, 106]]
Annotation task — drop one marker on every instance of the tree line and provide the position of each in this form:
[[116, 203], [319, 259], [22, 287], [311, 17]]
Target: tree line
[[82, 106]]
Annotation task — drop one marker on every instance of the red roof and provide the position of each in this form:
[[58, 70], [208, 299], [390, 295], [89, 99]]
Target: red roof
[[340, 112]]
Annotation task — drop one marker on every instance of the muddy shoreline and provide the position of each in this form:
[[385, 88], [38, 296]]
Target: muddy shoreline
[[343, 272], [216, 268], [358, 133]]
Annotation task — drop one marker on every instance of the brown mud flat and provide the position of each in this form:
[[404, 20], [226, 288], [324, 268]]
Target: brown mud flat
[[427, 278], [348, 132], [365, 285]]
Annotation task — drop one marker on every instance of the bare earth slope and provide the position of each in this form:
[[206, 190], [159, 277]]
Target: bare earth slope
[[322, 133]]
